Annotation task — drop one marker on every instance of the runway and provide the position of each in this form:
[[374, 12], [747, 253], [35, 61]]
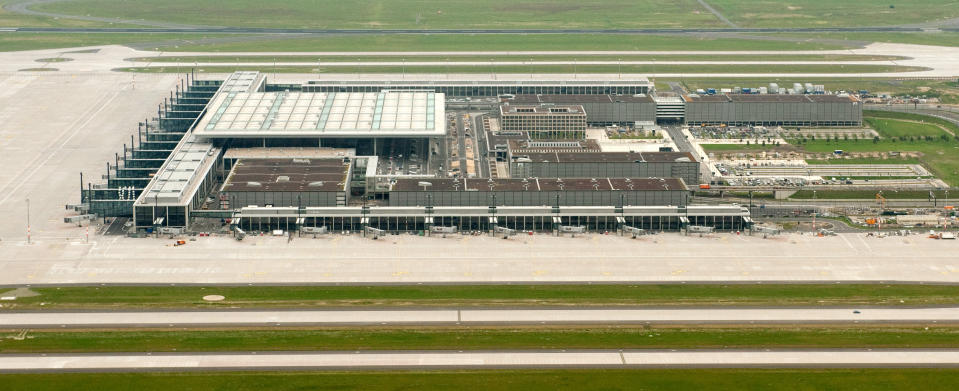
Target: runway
[[132, 362], [513, 316]]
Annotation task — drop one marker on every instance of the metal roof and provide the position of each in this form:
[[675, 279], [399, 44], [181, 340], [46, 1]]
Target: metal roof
[[333, 114]]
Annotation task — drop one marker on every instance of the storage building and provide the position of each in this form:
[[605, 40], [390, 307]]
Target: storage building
[[773, 110]]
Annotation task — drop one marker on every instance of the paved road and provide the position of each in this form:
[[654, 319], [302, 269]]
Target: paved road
[[522, 316], [126, 362]]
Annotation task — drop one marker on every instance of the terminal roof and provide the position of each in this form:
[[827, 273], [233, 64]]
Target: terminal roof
[[606, 157], [542, 184], [321, 114], [580, 99], [301, 175]]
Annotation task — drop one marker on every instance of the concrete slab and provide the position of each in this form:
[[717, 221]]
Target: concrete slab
[[477, 359], [406, 259]]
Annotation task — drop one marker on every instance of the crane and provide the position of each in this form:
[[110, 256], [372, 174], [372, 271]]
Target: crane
[[881, 201], [882, 205]]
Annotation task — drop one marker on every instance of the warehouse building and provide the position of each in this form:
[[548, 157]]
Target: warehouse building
[[544, 122], [556, 164], [540, 192], [601, 110], [773, 110], [288, 182], [481, 85]]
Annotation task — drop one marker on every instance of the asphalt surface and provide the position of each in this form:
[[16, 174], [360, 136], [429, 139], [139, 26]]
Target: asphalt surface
[[517, 316], [371, 360]]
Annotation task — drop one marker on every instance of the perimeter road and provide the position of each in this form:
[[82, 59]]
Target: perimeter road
[[479, 359], [477, 317]]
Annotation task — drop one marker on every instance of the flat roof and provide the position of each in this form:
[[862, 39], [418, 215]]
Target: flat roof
[[300, 175], [770, 98], [180, 175], [482, 80], [541, 110], [324, 114], [605, 157], [579, 99], [289, 153], [548, 146], [542, 184]]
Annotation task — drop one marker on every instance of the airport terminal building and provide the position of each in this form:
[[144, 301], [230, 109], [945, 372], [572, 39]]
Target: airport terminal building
[[264, 156]]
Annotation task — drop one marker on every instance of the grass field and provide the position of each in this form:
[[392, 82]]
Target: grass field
[[898, 128], [942, 38], [504, 42], [940, 157], [498, 14], [472, 57], [570, 68], [36, 41], [412, 14], [497, 380], [487, 295], [9, 19], [912, 117], [824, 13], [473, 338]]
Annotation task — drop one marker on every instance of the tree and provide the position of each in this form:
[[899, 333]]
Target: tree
[[875, 139]]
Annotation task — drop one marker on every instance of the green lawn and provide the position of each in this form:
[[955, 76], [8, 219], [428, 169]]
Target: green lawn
[[940, 157], [35, 41], [570, 68], [473, 57], [9, 19], [944, 38], [498, 14], [897, 128], [472, 338], [503, 42], [912, 117], [412, 14], [487, 295], [904, 379], [828, 13]]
